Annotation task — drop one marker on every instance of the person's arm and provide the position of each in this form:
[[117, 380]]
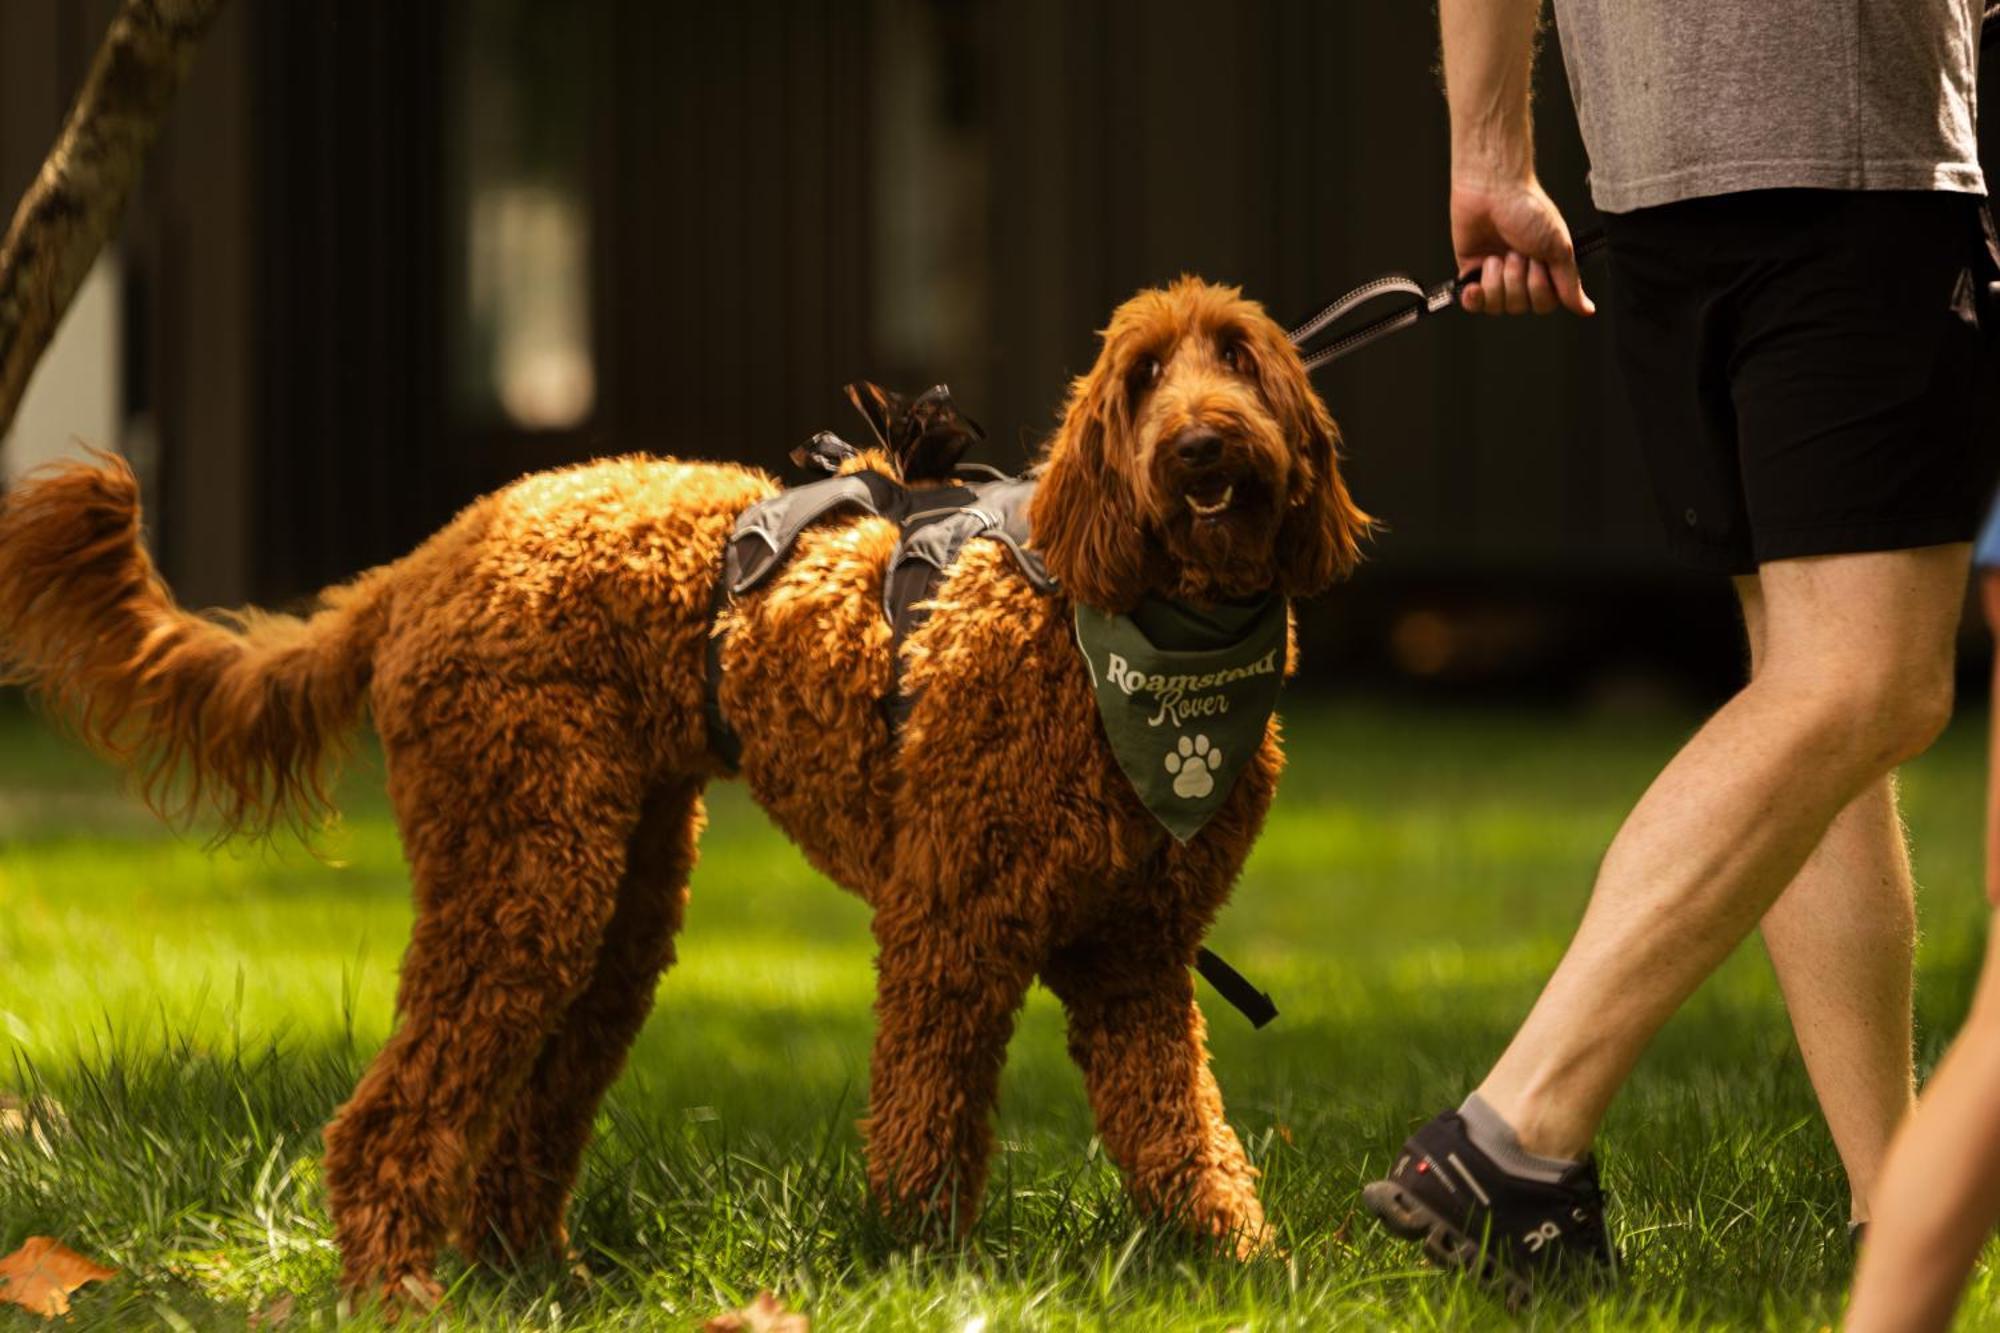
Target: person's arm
[[1502, 222]]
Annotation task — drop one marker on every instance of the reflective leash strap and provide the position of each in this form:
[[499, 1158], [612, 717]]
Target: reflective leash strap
[[1423, 301]]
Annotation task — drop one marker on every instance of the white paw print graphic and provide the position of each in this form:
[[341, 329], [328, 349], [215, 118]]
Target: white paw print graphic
[[1193, 766]]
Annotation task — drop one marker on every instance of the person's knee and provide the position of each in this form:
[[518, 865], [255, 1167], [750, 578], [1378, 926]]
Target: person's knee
[[1906, 711], [1882, 715]]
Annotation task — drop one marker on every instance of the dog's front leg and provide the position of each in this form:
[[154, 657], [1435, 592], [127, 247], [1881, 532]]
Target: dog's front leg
[[1138, 1036], [953, 963]]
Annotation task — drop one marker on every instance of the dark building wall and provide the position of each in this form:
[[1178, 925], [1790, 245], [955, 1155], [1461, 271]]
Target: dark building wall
[[196, 348], [348, 266], [722, 160], [785, 196]]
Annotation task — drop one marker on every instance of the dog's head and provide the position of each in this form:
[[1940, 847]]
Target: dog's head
[[1194, 461]]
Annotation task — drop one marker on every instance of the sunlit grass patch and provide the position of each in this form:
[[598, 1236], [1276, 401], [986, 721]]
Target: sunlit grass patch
[[196, 1016]]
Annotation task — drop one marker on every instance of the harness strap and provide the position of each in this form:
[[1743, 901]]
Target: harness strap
[[758, 544], [930, 546], [776, 523], [935, 523], [723, 741]]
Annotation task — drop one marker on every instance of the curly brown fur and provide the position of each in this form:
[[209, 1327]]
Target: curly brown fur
[[536, 671], [238, 714]]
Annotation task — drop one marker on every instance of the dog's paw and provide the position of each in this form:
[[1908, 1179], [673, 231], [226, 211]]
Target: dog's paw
[[412, 1295], [1258, 1242], [1193, 765]]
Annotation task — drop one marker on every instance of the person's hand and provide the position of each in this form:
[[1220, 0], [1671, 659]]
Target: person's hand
[[1512, 234]]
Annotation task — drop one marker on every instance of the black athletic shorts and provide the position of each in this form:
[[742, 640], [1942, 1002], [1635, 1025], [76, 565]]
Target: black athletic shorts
[[1806, 370]]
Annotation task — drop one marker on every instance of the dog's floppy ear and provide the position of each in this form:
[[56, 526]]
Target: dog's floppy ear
[[1323, 528], [1084, 519]]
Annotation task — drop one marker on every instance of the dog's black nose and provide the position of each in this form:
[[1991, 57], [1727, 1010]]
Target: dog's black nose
[[1197, 446]]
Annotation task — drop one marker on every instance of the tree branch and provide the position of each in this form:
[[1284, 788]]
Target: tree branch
[[75, 203]]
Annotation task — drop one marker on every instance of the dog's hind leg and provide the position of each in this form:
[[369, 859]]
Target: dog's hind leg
[[517, 851], [1140, 1040], [517, 1201]]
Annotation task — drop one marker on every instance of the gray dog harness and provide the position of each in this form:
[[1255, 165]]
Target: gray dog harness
[[934, 525]]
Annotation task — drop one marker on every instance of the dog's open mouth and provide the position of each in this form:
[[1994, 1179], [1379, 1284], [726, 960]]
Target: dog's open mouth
[[1212, 498], [1214, 502]]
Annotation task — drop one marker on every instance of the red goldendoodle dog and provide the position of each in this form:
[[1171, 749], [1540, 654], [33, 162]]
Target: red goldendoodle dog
[[535, 672]]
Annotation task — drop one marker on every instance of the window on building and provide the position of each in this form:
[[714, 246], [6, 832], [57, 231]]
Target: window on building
[[523, 348]]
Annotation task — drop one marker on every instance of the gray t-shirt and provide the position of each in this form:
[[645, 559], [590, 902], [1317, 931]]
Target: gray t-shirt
[[1682, 98]]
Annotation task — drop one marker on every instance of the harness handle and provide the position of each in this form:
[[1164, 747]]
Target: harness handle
[[1422, 301]]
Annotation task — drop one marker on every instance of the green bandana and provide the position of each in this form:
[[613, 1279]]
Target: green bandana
[[1185, 719]]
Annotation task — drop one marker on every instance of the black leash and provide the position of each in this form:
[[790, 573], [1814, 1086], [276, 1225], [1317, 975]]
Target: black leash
[[1234, 987], [1420, 301]]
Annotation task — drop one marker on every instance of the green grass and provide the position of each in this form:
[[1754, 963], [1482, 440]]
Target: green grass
[[198, 1015]]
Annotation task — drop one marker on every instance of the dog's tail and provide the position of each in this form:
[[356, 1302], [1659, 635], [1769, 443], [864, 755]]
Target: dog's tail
[[242, 714]]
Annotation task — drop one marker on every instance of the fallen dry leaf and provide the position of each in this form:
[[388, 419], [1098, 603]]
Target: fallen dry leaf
[[42, 1273], [766, 1314], [275, 1312]]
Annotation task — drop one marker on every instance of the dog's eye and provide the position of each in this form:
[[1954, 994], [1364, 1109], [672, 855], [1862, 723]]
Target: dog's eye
[[1232, 355], [1145, 374]]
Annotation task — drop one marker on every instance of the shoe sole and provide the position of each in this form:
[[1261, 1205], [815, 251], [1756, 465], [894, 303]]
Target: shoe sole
[[1445, 1245]]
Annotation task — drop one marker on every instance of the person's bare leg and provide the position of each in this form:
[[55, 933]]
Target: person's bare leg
[[1842, 940], [1856, 678], [1940, 1194]]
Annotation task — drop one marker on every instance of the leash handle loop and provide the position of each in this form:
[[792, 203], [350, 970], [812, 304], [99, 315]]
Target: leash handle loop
[[1420, 302], [1388, 284]]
